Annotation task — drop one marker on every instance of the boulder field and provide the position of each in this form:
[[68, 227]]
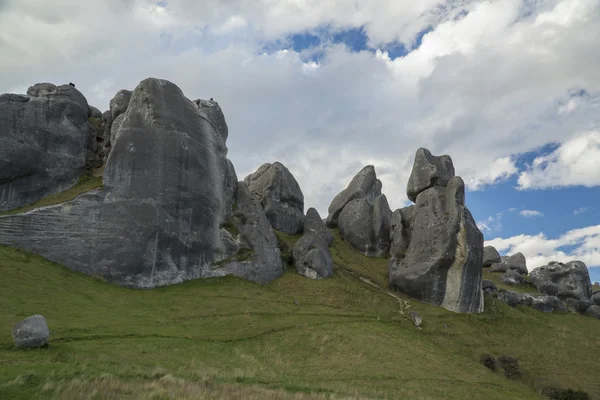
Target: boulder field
[[172, 208]]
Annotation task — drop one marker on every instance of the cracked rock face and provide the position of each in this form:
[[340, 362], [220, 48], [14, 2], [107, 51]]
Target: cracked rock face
[[45, 141], [570, 280], [280, 195], [437, 249], [168, 191]]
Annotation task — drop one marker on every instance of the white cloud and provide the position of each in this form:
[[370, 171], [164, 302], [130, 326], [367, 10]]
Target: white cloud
[[481, 88], [540, 250], [491, 224], [580, 210], [530, 213], [575, 162]]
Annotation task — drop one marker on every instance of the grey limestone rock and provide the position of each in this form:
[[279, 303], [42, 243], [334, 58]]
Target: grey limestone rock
[[32, 332], [168, 192], [314, 223], [93, 112], [488, 286], [593, 311], [364, 185], [280, 195], [443, 262], [312, 258], [119, 103], [366, 227], [517, 262], [490, 256], [512, 277], [416, 318], [577, 305], [563, 280], [401, 231], [596, 298], [428, 171], [45, 142]]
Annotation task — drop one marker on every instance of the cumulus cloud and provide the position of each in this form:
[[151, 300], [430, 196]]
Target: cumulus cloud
[[577, 244], [530, 213], [574, 162], [488, 81]]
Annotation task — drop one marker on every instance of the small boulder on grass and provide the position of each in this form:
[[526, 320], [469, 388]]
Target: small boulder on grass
[[32, 332]]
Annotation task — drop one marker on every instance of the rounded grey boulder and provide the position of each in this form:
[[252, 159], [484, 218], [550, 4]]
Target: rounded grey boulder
[[32, 332], [93, 112], [118, 104], [594, 311], [314, 223], [488, 286], [280, 195], [312, 258], [428, 171], [490, 256], [563, 280], [596, 298], [517, 262], [364, 185]]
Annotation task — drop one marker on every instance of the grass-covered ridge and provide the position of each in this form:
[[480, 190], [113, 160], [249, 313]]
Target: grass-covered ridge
[[295, 338]]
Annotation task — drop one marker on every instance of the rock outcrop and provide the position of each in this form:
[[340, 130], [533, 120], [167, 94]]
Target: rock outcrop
[[596, 298], [570, 280], [169, 190], [515, 262], [314, 223], [512, 277], [364, 185], [593, 311], [443, 261], [280, 196], [490, 256], [32, 332], [45, 141], [312, 258], [401, 231]]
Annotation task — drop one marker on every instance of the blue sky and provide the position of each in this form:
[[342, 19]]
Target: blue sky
[[509, 89]]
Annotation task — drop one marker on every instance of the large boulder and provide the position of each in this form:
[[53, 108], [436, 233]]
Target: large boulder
[[596, 298], [570, 280], [443, 262], [490, 256], [428, 171], [593, 311], [364, 185], [512, 277], [169, 191], [401, 231], [280, 196], [366, 227], [517, 262], [314, 223], [45, 142], [312, 258], [32, 332]]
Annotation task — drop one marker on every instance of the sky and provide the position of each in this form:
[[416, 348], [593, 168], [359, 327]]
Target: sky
[[510, 89]]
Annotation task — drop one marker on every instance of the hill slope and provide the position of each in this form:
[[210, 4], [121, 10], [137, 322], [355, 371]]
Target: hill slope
[[292, 339]]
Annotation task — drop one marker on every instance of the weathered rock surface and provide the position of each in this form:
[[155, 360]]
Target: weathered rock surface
[[32, 332], [45, 141], [517, 262], [314, 223], [428, 171], [416, 318], [93, 112], [593, 311], [312, 258], [366, 227], [401, 231], [563, 280], [364, 185], [539, 303], [443, 262], [488, 286], [490, 256], [512, 277], [280, 196], [577, 305], [596, 298], [168, 191]]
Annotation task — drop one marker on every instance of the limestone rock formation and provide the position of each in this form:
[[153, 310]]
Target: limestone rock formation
[[364, 185], [314, 223], [442, 263], [596, 298], [490, 256], [428, 171], [401, 231], [366, 227], [93, 112], [168, 192], [540, 303], [32, 332], [593, 311], [280, 196], [563, 280], [515, 262], [512, 277], [488, 286], [312, 258], [45, 141]]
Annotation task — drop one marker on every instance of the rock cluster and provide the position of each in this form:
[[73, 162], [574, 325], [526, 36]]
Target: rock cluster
[[439, 254], [514, 266], [363, 214], [45, 142]]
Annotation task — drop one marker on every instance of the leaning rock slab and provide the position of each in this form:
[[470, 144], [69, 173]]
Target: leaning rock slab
[[168, 192], [444, 258], [32, 332], [45, 141], [364, 185], [563, 280], [280, 196], [314, 223], [428, 171]]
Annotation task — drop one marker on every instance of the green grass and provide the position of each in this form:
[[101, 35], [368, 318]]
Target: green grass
[[526, 287], [86, 183], [294, 338]]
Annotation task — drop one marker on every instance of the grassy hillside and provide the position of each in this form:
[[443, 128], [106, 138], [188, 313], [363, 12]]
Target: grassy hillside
[[339, 338]]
